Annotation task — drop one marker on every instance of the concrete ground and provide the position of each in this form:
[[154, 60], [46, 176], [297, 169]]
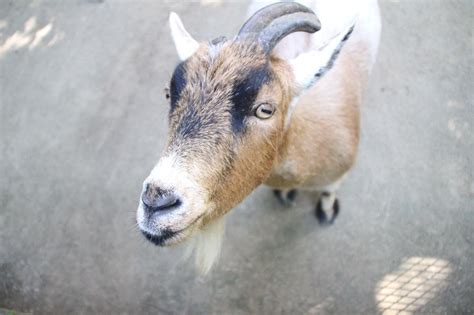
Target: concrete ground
[[83, 120]]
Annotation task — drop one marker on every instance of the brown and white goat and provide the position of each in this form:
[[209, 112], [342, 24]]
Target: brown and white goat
[[277, 105]]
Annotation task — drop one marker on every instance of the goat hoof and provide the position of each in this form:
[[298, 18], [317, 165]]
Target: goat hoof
[[287, 199], [323, 217]]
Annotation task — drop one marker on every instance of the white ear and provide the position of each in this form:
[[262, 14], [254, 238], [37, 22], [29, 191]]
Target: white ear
[[185, 44], [309, 67]]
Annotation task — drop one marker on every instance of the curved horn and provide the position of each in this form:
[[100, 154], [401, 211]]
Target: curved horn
[[260, 19], [285, 25]]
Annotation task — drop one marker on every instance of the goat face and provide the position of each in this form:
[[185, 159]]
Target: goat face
[[229, 103]]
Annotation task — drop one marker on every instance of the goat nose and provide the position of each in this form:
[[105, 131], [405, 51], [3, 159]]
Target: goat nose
[[156, 199]]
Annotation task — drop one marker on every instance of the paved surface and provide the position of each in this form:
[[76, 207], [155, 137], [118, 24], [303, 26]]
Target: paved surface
[[83, 121]]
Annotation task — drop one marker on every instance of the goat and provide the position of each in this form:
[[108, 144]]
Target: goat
[[277, 105]]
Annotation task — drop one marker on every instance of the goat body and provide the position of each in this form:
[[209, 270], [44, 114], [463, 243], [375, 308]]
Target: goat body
[[277, 105]]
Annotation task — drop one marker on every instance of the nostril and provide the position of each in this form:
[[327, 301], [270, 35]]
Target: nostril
[[167, 201], [156, 199]]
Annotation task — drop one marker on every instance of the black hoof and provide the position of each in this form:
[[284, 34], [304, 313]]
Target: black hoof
[[287, 200], [322, 216]]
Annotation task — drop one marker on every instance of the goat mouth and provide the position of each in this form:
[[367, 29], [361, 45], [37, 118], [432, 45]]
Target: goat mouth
[[167, 235], [160, 240]]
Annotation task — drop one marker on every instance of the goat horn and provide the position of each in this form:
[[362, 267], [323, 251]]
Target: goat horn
[[260, 19], [271, 23], [285, 25]]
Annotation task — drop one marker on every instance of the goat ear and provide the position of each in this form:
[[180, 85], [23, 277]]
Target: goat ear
[[185, 44], [310, 66]]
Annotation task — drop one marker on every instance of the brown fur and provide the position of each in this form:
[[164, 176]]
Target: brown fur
[[321, 142], [229, 167]]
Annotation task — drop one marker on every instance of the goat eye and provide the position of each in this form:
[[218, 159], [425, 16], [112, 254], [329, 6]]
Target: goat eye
[[264, 111], [167, 93]]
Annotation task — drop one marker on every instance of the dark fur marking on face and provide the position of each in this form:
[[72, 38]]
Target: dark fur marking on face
[[192, 122], [244, 93], [177, 84]]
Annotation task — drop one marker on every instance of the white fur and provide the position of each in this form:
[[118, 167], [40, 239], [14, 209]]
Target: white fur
[[335, 16], [328, 201], [207, 245], [306, 65], [169, 175], [185, 44]]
